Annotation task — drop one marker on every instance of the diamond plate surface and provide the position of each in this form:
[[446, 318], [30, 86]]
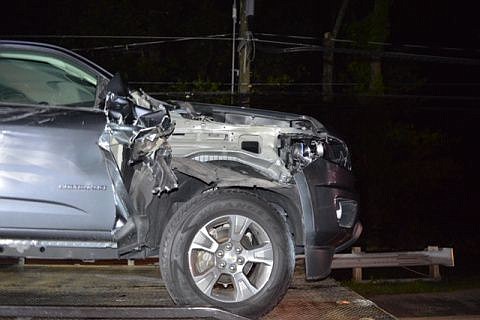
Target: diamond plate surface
[[142, 286], [326, 300]]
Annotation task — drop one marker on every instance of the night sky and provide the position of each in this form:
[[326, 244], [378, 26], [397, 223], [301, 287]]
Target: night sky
[[433, 22]]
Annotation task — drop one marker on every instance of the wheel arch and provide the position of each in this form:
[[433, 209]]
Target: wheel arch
[[195, 177]]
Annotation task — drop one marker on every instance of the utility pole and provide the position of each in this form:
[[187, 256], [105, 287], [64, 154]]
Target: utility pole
[[234, 24], [329, 45], [327, 78], [379, 21], [246, 9]]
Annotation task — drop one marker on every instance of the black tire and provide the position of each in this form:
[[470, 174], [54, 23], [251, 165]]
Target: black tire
[[176, 252]]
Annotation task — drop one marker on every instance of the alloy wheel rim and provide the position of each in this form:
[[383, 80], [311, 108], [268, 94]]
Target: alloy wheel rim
[[231, 258]]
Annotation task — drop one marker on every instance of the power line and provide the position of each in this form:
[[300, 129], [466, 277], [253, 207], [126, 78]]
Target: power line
[[229, 37], [288, 36], [160, 39], [375, 43], [387, 54], [149, 43], [299, 93], [302, 47], [395, 84], [254, 83], [295, 47], [76, 36]]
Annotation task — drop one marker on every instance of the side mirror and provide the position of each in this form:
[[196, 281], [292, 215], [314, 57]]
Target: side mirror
[[117, 86], [117, 105]]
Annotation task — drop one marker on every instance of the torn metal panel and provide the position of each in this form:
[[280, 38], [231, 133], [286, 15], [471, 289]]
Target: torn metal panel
[[135, 137], [220, 176], [136, 131], [151, 179]]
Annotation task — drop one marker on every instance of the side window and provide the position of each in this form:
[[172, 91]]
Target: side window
[[41, 79]]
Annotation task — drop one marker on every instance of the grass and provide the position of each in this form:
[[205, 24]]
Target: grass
[[419, 286]]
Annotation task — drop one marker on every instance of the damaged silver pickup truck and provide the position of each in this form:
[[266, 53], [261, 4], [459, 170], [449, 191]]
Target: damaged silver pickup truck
[[226, 197]]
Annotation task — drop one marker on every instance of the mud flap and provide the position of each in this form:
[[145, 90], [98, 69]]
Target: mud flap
[[318, 262]]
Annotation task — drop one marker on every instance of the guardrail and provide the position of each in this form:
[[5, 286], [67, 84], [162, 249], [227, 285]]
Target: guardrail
[[432, 256]]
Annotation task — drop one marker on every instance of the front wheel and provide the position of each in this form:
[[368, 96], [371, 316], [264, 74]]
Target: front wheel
[[229, 249]]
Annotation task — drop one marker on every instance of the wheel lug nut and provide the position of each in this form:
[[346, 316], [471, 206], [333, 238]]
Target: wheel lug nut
[[232, 268], [220, 253], [240, 260], [222, 264], [238, 249], [228, 246]]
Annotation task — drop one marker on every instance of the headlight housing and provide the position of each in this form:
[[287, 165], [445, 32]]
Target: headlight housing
[[337, 152], [298, 151]]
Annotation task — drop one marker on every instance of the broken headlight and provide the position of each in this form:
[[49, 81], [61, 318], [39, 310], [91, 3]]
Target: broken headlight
[[306, 152], [337, 152], [298, 151]]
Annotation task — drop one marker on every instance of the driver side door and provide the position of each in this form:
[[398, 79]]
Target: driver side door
[[53, 174]]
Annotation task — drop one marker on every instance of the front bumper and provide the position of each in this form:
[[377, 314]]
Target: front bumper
[[330, 214]]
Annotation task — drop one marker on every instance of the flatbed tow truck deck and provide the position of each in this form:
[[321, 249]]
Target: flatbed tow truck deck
[[127, 292]]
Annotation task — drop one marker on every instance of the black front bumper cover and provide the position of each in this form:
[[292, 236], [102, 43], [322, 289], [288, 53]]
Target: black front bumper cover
[[326, 190]]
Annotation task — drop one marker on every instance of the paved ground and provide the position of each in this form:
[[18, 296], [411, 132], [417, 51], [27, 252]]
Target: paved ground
[[461, 304], [141, 285]]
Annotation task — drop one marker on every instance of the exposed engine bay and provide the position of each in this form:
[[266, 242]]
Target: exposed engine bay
[[276, 145]]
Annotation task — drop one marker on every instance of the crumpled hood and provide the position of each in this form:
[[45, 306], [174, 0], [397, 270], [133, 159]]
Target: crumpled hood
[[250, 116]]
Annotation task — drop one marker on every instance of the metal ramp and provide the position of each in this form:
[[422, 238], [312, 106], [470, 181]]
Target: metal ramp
[[68, 312], [137, 292]]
